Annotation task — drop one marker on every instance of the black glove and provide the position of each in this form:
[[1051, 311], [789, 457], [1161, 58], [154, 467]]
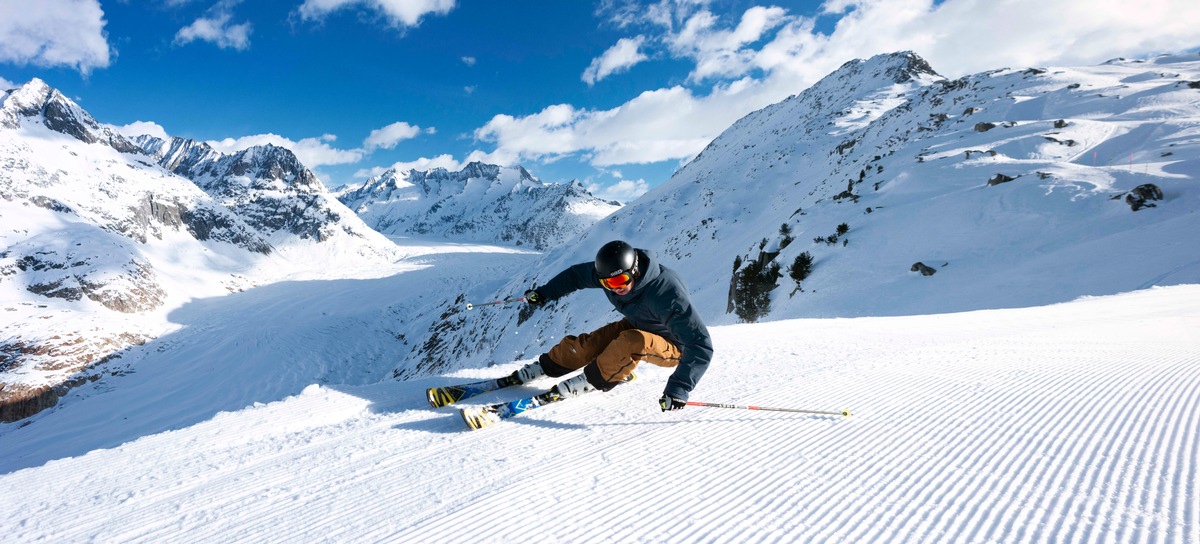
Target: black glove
[[534, 298], [670, 403]]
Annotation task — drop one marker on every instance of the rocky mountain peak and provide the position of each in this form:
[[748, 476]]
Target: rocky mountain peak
[[41, 103], [276, 163]]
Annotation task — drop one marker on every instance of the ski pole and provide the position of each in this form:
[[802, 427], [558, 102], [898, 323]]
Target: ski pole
[[819, 412], [507, 301]]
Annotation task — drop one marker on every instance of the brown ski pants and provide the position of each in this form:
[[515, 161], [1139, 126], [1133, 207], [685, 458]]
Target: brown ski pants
[[616, 349]]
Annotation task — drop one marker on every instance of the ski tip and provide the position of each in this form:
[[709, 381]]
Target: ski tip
[[846, 413], [478, 418], [442, 396]]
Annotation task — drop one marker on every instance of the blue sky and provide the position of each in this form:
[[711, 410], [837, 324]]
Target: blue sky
[[617, 94]]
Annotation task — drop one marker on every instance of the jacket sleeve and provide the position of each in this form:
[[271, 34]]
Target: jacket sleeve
[[697, 350], [574, 278]]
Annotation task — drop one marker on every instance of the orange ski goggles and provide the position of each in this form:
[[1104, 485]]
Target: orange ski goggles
[[620, 281]]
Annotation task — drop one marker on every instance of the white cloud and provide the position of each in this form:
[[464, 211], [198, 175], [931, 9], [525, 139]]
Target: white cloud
[[622, 191], [54, 33], [771, 54], [469, 61], [618, 58], [140, 128], [6, 84], [313, 152], [401, 13], [657, 125], [387, 137], [724, 53], [423, 164], [215, 27]]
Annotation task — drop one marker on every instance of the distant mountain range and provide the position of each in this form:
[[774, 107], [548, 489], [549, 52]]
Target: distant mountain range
[[482, 202]]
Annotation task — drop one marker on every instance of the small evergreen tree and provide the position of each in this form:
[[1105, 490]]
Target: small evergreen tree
[[843, 229], [752, 289], [801, 267]]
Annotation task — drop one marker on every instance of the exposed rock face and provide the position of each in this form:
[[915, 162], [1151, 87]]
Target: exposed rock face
[[38, 100], [72, 273], [267, 186], [71, 352]]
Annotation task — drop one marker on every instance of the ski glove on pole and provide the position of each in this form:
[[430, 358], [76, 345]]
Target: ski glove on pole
[[670, 403], [534, 298]]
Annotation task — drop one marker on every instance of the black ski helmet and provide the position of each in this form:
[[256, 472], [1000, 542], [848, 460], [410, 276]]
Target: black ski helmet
[[616, 257]]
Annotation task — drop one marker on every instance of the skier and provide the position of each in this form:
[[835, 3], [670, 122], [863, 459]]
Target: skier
[[660, 326]]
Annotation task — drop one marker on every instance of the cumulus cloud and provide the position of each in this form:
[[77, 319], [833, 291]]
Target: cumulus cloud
[[765, 54], [423, 164], [216, 27], [622, 191], [54, 33], [143, 128], [657, 125], [401, 13], [387, 137], [469, 61], [313, 152], [6, 84], [719, 52], [618, 58]]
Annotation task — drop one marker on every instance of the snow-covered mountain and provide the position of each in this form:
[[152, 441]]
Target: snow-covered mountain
[[1013, 185], [480, 203], [98, 242], [265, 185]]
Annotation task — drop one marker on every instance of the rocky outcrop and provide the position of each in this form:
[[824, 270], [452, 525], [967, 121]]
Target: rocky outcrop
[[86, 357], [1141, 196], [122, 285], [923, 268]]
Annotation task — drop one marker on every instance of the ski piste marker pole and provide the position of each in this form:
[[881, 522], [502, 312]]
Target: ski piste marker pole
[[845, 413], [507, 301]]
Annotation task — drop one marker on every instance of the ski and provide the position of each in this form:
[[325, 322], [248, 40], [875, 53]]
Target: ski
[[450, 394], [478, 417]]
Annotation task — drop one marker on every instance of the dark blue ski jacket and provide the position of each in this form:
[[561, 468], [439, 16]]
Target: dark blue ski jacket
[[658, 304]]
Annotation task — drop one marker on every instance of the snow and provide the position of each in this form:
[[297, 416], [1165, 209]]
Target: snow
[[253, 422]]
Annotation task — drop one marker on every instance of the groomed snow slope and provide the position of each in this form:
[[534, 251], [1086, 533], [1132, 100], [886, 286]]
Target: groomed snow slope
[[1075, 422]]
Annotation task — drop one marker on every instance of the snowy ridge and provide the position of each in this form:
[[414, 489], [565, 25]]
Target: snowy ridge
[[480, 203], [1019, 425]]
